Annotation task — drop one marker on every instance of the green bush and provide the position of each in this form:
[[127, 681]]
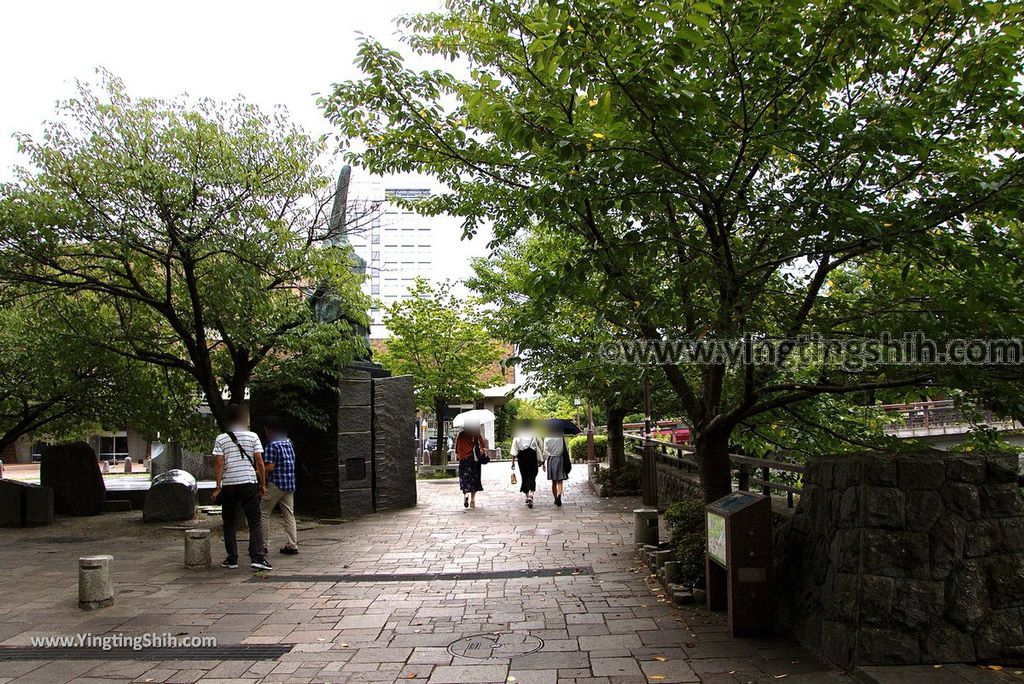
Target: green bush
[[686, 524], [506, 448], [578, 447], [623, 482]]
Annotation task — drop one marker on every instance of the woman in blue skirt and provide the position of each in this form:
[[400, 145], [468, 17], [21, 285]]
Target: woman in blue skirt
[[468, 445]]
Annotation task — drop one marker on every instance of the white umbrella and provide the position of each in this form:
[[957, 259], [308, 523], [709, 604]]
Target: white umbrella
[[476, 417]]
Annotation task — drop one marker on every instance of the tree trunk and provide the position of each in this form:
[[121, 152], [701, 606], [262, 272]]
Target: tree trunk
[[440, 451], [713, 465], [616, 440]]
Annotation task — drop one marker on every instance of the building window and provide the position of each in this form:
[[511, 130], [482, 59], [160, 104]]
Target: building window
[[113, 446], [375, 289]]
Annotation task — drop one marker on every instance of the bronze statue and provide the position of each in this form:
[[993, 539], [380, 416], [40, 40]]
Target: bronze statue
[[327, 307]]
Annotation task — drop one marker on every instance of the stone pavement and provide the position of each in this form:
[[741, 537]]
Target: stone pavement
[[591, 618]]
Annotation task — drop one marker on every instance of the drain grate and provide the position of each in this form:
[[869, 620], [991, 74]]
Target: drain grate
[[239, 652], [427, 576]]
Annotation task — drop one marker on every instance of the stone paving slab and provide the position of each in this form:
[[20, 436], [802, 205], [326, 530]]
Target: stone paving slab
[[604, 626]]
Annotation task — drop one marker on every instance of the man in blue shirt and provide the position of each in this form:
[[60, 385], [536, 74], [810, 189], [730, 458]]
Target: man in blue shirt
[[279, 462]]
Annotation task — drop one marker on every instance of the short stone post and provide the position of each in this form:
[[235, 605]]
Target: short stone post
[[645, 526], [673, 572], [104, 466], [197, 549], [128, 464], [95, 582], [1, 470]]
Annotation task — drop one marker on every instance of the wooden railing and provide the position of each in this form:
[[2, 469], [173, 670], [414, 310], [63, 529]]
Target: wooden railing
[[749, 471]]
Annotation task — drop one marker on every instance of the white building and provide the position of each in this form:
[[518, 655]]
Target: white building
[[400, 245]]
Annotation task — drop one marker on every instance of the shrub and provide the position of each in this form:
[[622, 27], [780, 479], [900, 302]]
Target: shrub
[[686, 523], [623, 482], [578, 447], [506, 448]]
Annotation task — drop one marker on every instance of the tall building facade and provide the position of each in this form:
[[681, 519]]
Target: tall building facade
[[400, 245]]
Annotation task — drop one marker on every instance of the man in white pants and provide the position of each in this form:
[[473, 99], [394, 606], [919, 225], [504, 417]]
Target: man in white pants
[[279, 461]]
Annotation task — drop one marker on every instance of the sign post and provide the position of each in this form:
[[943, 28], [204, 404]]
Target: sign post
[[739, 561]]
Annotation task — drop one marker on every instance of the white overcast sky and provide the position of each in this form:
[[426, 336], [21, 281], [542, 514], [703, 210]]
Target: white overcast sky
[[271, 52]]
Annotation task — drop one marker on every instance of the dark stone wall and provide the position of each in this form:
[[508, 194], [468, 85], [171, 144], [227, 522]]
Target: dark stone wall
[[354, 450], [394, 422], [370, 434], [676, 484], [905, 559], [73, 473]]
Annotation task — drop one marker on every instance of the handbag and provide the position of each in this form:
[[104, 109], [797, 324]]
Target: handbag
[[566, 460], [478, 453]]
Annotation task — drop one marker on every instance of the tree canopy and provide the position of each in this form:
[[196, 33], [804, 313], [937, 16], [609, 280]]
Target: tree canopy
[[442, 343], [718, 170], [201, 226]]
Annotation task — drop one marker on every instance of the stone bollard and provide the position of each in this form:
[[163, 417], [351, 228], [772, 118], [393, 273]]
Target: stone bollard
[[673, 572], [197, 549], [645, 526], [1, 470], [95, 582], [661, 557], [104, 466], [128, 465]]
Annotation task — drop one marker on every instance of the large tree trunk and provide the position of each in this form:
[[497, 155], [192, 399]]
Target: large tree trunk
[[440, 451], [616, 439], [713, 465]]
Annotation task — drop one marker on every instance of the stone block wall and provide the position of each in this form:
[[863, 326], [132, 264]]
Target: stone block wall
[[905, 559], [394, 442], [364, 458]]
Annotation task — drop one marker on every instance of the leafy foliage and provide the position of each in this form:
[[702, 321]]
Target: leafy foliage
[[686, 523], [201, 226], [721, 170], [442, 343], [578, 447], [54, 383], [621, 481]]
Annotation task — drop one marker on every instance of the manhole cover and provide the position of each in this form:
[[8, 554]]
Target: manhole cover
[[500, 645]]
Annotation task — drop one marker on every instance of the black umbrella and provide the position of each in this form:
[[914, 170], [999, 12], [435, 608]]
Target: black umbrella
[[563, 426]]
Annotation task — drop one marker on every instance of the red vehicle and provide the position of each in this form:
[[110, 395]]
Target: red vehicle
[[678, 434]]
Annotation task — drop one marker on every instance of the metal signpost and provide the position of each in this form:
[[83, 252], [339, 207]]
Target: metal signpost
[[739, 561]]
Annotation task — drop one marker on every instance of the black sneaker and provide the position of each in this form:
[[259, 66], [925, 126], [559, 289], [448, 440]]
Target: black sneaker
[[261, 564], [558, 501], [529, 503], [289, 550], [229, 564]]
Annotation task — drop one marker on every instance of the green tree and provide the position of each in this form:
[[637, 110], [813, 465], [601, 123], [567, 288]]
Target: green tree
[[442, 343], [558, 339], [717, 163], [54, 383], [203, 226]]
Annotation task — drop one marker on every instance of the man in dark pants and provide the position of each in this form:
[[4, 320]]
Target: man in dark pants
[[241, 481]]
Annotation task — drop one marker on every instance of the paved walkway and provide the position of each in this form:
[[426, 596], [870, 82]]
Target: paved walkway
[[593, 619]]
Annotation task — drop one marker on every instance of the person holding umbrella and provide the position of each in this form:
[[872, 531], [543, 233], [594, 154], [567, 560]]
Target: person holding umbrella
[[470, 448], [558, 464]]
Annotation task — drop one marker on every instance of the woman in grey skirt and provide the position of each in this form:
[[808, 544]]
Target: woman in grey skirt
[[554, 448]]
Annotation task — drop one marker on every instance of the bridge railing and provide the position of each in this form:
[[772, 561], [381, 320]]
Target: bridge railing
[[938, 417], [768, 476]]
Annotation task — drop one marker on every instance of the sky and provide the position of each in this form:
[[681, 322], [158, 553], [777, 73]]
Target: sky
[[273, 53]]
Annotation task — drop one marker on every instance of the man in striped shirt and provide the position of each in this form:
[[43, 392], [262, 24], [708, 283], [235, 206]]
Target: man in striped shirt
[[241, 482], [279, 462]]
